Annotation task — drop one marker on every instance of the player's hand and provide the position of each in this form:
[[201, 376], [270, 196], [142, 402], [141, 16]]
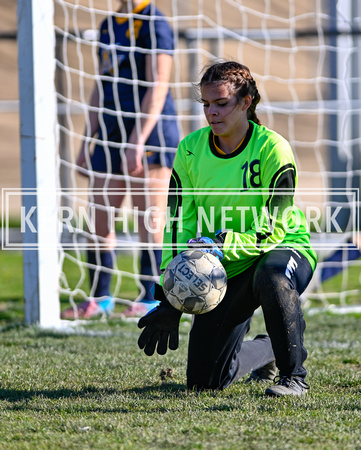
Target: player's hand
[[81, 162], [134, 160], [208, 245], [161, 329]]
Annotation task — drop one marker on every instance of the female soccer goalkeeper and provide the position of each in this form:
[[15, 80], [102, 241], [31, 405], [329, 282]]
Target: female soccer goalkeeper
[[262, 237]]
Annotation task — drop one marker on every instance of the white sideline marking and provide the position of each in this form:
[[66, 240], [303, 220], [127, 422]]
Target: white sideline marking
[[336, 344], [334, 309]]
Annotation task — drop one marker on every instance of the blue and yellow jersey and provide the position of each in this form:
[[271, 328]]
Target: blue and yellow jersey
[[124, 44], [249, 192]]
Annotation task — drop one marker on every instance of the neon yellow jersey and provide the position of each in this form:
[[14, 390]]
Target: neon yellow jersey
[[249, 193]]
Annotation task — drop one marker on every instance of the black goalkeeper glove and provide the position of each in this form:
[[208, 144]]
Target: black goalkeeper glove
[[161, 328]]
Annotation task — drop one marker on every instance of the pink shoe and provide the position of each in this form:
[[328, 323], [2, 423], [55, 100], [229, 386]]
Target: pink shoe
[[90, 309], [84, 310]]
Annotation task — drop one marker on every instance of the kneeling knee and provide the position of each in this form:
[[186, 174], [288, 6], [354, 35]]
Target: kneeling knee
[[205, 382], [201, 385], [273, 288]]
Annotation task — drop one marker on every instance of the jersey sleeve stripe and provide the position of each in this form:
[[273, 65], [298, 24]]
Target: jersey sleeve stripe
[[284, 178], [282, 169], [175, 203], [279, 179]]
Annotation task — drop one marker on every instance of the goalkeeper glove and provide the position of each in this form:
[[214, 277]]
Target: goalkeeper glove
[[161, 327], [208, 245]]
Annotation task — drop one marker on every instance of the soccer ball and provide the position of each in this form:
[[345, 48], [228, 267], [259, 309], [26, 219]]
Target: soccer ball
[[194, 282]]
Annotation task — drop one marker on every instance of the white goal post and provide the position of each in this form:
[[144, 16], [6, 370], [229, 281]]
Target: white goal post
[[36, 62], [306, 61]]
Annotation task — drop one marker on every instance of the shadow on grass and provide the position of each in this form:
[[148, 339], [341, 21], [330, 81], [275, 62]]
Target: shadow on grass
[[212, 400], [14, 395], [149, 399], [156, 390], [91, 392]]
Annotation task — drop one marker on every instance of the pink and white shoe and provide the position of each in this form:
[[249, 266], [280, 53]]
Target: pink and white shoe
[[89, 309]]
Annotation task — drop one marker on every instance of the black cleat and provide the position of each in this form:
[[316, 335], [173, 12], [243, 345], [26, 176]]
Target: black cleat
[[288, 386]]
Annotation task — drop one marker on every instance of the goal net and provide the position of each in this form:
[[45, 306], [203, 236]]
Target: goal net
[[304, 55]]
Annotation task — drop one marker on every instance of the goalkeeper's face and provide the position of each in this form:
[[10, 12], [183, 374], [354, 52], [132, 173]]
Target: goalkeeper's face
[[224, 112]]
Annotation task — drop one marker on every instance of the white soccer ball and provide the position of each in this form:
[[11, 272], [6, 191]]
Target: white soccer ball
[[194, 282]]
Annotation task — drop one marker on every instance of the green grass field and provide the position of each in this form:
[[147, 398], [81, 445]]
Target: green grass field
[[91, 387]]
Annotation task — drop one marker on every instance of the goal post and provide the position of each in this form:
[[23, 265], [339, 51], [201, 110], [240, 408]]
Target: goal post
[[36, 62]]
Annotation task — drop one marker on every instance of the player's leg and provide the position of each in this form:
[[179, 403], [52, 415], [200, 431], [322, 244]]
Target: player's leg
[[106, 195], [280, 278], [217, 353], [151, 207]]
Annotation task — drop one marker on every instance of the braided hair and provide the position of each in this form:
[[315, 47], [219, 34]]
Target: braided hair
[[240, 80]]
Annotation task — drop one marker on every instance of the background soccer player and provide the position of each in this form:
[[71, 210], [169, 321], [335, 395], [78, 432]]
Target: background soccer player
[[135, 60], [266, 248]]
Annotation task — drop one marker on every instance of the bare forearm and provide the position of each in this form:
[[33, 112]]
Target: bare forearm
[[151, 108]]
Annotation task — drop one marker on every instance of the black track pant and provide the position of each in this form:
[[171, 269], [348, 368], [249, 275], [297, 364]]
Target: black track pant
[[217, 353]]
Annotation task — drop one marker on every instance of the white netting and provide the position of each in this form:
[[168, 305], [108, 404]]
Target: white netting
[[304, 55]]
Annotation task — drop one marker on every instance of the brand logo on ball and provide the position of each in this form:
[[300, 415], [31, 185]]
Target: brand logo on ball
[[195, 282], [186, 272]]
